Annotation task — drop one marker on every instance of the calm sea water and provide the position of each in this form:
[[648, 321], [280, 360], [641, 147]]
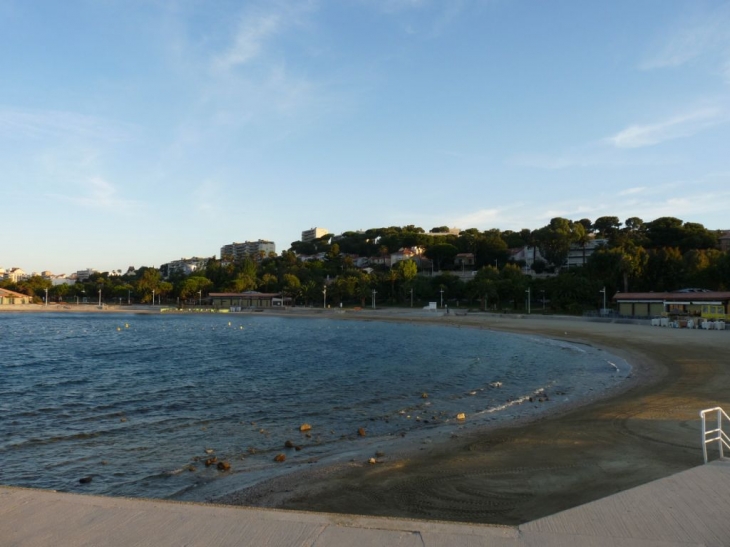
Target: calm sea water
[[138, 402]]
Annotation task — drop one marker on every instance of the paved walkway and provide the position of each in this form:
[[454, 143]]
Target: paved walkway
[[690, 508]]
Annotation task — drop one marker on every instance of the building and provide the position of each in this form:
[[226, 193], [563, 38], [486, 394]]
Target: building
[[578, 255], [253, 249], [186, 266], [464, 259], [83, 275], [12, 298], [313, 233], [687, 302], [15, 275], [725, 241], [234, 301]]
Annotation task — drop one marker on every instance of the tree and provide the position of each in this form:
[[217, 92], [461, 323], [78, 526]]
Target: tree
[[607, 227], [555, 240], [441, 252]]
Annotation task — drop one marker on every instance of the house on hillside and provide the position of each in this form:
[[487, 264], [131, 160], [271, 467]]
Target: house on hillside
[[725, 241]]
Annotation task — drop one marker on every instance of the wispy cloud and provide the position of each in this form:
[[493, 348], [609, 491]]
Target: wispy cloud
[[253, 31], [706, 34], [40, 124], [683, 125], [98, 193]]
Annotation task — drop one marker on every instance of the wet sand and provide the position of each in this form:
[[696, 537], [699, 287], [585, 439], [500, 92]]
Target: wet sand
[[520, 472]]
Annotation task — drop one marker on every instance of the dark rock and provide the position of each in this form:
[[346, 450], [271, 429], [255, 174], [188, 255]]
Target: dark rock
[[361, 432], [211, 461], [85, 480], [280, 458], [224, 466], [289, 444]]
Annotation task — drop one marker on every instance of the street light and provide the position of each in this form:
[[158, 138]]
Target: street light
[[603, 290], [543, 300], [528, 300], [324, 292], [200, 298], [99, 298], [153, 297], [46, 296], [374, 293], [442, 297]]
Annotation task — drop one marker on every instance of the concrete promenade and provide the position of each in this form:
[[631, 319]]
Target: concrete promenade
[[689, 508]]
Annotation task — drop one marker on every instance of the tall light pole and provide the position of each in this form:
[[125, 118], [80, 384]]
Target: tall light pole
[[442, 297], [603, 290], [99, 298], [324, 293], [200, 298], [374, 293], [46, 296], [528, 300], [543, 300], [153, 297]]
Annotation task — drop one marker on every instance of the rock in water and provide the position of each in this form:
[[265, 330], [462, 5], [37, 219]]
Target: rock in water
[[211, 461], [289, 444], [361, 432], [461, 416], [280, 458], [85, 480], [305, 427], [224, 466]]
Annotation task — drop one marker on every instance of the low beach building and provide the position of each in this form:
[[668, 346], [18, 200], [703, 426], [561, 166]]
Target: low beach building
[[12, 298], [237, 301], [710, 305]]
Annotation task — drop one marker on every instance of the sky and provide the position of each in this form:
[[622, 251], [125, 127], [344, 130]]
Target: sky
[[137, 132]]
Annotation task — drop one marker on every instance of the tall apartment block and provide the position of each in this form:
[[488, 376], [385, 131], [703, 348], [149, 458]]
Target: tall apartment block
[[314, 233], [248, 248]]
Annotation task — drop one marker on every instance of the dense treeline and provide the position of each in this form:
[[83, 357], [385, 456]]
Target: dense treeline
[[663, 255]]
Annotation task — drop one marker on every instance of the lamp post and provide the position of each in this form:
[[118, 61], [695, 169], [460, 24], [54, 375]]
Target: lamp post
[[374, 293], [200, 298], [603, 290], [99, 298], [543, 300], [442, 297], [324, 300], [129, 297], [528, 300], [46, 296], [153, 297]]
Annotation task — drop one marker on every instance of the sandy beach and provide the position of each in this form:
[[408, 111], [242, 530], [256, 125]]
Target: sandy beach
[[648, 429]]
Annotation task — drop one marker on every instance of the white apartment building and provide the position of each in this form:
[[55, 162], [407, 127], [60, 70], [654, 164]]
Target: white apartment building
[[15, 275], [248, 248], [313, 233], [186, 266]]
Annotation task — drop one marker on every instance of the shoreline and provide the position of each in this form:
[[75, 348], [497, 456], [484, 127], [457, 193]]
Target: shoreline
[[645, 428]]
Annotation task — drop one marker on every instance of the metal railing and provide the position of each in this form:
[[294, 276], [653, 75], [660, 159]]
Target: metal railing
[[716, 435]]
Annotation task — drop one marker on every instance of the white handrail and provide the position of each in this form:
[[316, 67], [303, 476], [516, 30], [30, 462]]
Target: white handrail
[[717, 435]]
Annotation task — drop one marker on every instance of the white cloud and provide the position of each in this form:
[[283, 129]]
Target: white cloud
[[632, 191], [684, 125]]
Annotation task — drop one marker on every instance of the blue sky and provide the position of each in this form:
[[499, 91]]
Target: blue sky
[[135, 132]]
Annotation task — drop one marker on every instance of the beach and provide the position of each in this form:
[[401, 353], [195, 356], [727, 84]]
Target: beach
[[649, 428], [646, 428]]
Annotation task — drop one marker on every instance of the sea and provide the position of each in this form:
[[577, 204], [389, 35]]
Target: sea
[[137, 404]]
